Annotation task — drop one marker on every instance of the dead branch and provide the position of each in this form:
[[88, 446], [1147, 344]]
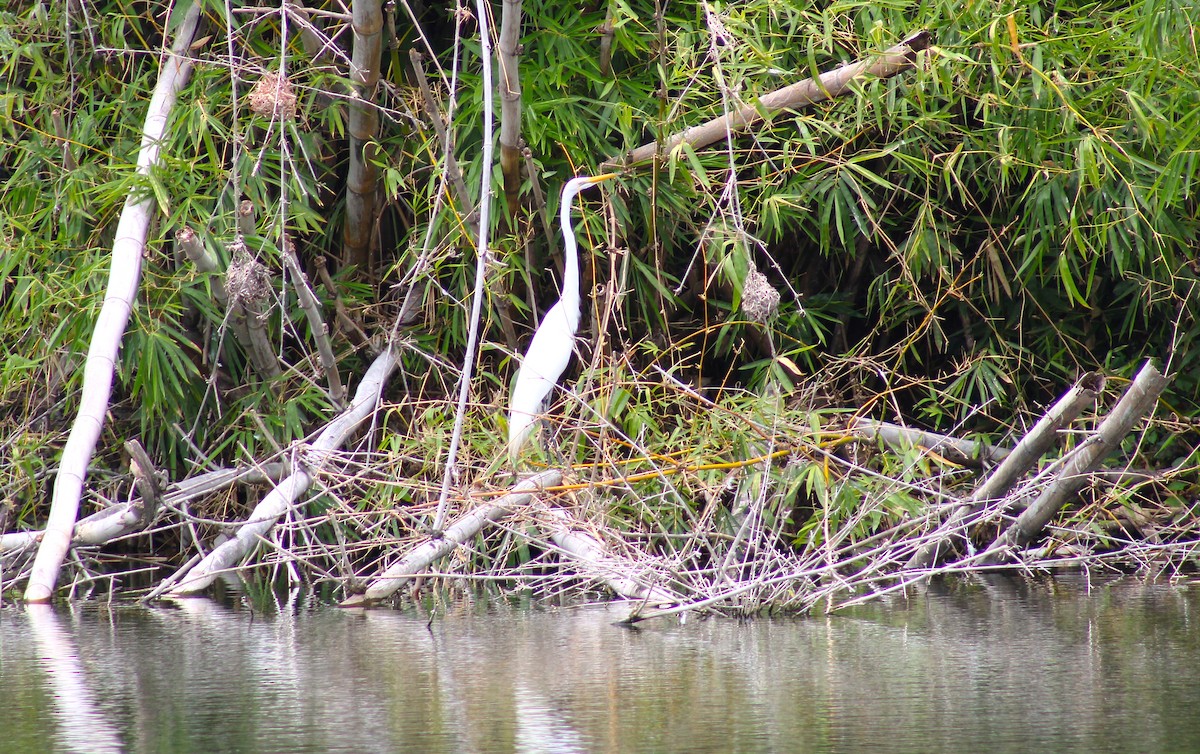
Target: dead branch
[[249, 287], [207, 263], [119, 520], [957, 449], [1031, 447], [459, 188], [466, 527], [316, 324], [832, 84], [277, 502], [147, 479], [1137, 401], [457, 184]]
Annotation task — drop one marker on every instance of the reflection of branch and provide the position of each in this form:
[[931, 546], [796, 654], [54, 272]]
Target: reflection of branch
[[82, 725], [834, 83], [510, 105]]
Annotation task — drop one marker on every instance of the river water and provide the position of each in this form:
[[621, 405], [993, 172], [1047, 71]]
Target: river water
[[996, 665]]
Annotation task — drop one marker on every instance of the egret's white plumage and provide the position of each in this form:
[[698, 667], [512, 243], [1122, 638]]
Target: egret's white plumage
[[550, 350]]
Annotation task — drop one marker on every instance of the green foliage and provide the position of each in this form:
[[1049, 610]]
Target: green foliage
[[957, 242]]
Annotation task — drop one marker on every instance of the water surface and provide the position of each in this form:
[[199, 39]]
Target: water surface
[[994, 665]]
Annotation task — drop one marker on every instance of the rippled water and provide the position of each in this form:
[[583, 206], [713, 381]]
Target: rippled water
[[987, 666]]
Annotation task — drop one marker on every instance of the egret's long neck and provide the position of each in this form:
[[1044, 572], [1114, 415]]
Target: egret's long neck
[[570, 284]]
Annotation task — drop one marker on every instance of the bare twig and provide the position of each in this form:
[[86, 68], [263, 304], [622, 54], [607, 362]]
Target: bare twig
[[434, 113], [481, 262]]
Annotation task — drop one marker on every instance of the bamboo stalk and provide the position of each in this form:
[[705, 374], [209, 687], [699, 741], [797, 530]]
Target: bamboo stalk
[[1137, 401], [831, 84], [123, 282], [510, 105], [363, 126]]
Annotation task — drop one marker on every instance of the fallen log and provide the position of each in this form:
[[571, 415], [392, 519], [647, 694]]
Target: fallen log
[[596, 560], [122, 519]]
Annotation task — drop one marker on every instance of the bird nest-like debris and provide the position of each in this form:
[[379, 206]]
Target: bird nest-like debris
[[246, 281], [760, 300], [273, 97]]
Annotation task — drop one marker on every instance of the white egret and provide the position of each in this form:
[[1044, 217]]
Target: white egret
[[550, 350]]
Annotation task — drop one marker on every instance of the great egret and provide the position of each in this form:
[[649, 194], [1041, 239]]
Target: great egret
[[551, 347]]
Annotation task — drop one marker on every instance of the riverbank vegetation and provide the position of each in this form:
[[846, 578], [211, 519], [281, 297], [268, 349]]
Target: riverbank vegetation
[[942, 320]]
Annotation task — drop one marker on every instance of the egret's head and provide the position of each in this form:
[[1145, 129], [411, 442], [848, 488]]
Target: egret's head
[[575, 185]]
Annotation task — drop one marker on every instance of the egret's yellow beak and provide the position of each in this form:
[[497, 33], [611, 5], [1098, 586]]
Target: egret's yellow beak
[[602, 177]]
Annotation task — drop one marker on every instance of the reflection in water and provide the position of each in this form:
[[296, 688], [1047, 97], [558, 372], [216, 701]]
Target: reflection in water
[[80, 725], [990, 666]]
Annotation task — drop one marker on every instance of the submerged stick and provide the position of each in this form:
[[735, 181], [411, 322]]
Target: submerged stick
[[123, 282], [435, 548], [277, 502]]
